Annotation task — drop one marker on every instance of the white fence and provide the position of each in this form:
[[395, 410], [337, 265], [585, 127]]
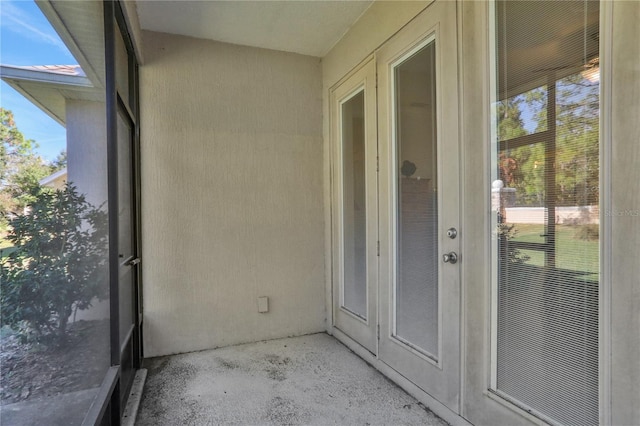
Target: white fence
[[577, 215]]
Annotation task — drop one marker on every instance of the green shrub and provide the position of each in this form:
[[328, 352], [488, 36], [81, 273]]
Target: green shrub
[[58, 266], [588, 232], [509, 251]]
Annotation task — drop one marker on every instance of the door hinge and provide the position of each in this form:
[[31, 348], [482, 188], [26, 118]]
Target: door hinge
[[378, 331], [378, 249]]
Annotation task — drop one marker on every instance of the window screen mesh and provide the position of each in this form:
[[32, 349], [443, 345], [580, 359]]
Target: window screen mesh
[[545, 196]]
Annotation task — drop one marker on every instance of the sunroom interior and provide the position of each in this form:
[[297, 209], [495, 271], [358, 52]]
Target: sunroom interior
[[450, 189]]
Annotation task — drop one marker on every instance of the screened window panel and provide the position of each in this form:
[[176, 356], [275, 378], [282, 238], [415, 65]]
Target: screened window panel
[[122, 66], [125, 225], [54, 255], [546, 202]]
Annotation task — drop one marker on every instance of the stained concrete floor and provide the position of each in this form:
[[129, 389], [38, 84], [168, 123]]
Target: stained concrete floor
[[308, 380]]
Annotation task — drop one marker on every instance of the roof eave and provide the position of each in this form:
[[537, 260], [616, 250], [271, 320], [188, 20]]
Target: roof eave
[[46, 77], [25, 80]]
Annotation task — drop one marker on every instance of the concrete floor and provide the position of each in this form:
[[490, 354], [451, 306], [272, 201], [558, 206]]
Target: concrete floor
[[310, 380]]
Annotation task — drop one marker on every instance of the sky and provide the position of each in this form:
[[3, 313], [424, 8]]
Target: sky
[[27, 38]]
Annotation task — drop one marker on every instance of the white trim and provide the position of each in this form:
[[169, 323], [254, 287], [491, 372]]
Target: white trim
[[13, 84], [50, 12], [493, 170], [60, 83], [431, 37], [359, 88], [462, 368], [134, 29], [50, 78]]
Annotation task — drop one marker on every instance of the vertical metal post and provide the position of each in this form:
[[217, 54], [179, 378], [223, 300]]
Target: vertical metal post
[[112, 191], [550, 175]]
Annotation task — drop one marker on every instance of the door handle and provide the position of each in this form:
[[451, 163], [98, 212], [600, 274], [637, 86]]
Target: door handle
[[451, 258], [133, 262]]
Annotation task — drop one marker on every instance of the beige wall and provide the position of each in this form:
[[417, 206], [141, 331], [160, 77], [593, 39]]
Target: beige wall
[[232, 207], [87, 149], [624, 213], [87, 171]]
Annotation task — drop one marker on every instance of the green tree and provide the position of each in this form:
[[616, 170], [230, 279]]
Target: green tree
[[60, 162], [59, 264], [522, 167], [576, 159], [510, 123], [20, 169]]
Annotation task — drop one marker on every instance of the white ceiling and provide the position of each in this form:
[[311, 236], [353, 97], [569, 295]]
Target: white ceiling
[[306, 27]]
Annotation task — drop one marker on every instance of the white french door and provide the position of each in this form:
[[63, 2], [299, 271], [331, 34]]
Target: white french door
[[395, 206], [355, 231], [419, 203]]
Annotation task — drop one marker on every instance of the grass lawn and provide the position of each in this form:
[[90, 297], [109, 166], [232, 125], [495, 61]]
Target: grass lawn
[[572, 252], [5, 247]]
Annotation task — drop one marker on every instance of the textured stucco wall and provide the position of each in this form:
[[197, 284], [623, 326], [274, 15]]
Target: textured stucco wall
[[87, 171], [625, 213], [87, 149], [232, 208]]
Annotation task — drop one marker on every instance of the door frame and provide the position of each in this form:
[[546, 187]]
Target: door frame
[[126, 104], [109, 404]]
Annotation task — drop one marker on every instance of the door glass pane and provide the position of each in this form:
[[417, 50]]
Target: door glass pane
[[354, 206], [125, 228], [416, 290], [546, 207]]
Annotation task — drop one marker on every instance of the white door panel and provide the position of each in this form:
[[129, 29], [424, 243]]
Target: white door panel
[[353, 114], [419, 193]]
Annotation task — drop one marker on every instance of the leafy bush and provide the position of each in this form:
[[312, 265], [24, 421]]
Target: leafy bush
[[509, 251], [589, 232], [59, 264]]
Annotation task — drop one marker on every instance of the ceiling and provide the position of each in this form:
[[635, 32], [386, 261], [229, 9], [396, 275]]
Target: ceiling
[[306, 27]]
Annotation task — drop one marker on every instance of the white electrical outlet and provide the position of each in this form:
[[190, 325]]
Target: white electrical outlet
[[263, 304]]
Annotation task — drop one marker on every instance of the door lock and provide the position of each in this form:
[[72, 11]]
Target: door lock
[[452, 233], [451, 258]]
